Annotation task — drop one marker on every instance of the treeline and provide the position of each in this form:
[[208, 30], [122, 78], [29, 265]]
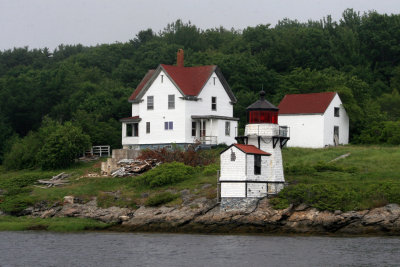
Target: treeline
[[358, 56]]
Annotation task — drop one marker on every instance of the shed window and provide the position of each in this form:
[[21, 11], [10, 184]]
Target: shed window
[[150, 102], [171, 101], [337, 112], [257, 164], [213, 103]]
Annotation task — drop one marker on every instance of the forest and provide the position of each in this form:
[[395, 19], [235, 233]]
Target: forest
[[61, 101]]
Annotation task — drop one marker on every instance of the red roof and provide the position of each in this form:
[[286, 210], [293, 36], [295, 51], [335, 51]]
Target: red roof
[[142, 84], [190, 80], [250, 149], [306, 103]]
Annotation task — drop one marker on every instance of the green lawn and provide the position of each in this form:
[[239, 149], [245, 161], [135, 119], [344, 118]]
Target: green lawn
[[12, 223], [368, 178], [20, 192]]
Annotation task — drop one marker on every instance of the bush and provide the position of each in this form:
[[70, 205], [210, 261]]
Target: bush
[[165, 174], [22, 154], [189, 157], [62, 146], [161, 198], [211, 169]]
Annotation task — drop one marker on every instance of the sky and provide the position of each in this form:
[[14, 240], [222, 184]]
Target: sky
[[48, 23]]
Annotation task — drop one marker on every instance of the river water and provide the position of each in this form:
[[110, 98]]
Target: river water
[[132, 249]]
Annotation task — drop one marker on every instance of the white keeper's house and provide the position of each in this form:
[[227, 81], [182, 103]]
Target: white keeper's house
[[315, 120], [181, 105]]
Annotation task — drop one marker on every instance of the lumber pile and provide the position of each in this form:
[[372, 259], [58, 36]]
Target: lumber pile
[[56, 180], [130, 167]]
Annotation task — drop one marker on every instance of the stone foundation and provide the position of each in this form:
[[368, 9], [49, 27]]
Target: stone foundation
[[238, 203]]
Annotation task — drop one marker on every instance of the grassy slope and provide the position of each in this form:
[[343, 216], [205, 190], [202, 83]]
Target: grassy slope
[[369, 177]]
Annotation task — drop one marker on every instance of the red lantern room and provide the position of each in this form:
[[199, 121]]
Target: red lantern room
[[262, 111]]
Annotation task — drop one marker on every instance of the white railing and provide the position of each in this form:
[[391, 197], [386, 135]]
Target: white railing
[[100, 151], [209, 140]]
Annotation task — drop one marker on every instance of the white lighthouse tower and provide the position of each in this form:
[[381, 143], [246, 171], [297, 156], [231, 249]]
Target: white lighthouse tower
[[253, 168]]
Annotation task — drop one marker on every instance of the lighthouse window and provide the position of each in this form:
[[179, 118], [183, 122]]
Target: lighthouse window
[[257, 164], [233, 156]]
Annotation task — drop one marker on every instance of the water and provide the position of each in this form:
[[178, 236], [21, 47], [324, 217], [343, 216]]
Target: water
[[131, 249]]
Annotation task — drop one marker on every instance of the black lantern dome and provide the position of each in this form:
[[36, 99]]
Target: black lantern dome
[[262, 111]]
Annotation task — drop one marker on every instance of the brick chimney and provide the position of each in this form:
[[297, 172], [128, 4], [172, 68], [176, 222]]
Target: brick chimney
[[180, 58]]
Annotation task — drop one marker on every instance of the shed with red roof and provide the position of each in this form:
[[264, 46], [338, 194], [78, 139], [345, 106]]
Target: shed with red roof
[[315, 120]]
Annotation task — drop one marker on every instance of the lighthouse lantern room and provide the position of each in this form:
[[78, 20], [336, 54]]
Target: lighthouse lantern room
[[252, 168]]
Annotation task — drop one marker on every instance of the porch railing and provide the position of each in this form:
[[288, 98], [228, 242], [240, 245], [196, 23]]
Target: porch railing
[[209, 140]]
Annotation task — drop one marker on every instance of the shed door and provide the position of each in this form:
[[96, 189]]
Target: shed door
[[336, 135]]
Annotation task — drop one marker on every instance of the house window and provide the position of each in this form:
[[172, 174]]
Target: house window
[[132, 129], [162, 78], [148, 127], [214, 79], [227, 128], [257, 164], [168, 125], [171, 101], [337, 112], [213, 103], [150, 102], [194, 124]]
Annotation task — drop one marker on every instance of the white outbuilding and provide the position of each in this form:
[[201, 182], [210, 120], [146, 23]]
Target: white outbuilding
[[315, 120]]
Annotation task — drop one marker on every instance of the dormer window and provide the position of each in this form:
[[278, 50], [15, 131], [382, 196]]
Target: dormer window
[[337, 112], [213, 103]]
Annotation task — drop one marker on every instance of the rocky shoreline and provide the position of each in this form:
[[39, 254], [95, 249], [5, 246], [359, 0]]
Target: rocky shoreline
[[206, 216]]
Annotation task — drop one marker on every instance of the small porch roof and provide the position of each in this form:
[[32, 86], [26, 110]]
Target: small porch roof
[[214, 117], [130, 119]]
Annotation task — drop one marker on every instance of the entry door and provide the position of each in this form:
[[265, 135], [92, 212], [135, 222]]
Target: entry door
[[203, 129]]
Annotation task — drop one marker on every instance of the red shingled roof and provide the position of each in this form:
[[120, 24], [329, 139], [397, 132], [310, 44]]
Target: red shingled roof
[[250, 149], [190, 80], [306, 103], [142, 84]]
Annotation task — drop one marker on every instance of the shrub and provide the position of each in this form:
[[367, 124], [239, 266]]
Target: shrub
[[22, 154], [211, 169], [161, 198], [62, 146], [189, 157], [165, 174]]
